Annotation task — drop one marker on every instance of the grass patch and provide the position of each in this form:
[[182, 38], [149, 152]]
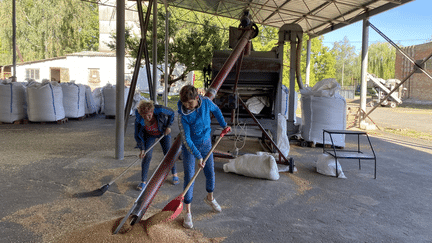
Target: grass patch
[[416, 106], [172, 100], [409, 133]]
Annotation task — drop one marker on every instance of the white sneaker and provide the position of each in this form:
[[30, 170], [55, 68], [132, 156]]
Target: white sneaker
[[187, 223], [213, 204]]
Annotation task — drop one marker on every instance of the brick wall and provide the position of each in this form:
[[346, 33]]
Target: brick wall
[[419, 86]]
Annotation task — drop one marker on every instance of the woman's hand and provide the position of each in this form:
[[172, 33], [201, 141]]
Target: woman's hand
[[167, 131], [142, 154], [201, 163]]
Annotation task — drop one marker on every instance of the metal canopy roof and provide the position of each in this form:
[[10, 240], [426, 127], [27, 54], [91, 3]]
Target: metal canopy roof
[[316, 17]]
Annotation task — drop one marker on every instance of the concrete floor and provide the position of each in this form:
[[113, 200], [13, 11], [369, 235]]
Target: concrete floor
[[43, 164]]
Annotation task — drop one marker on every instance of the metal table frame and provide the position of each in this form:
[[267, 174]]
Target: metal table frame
[[348, 154]]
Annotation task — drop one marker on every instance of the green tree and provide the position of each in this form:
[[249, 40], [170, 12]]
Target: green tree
[[190, 44], [345, 60], [322, 61], [49, 28], [381, 60]]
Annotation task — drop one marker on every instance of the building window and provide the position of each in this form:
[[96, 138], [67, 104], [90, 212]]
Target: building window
[[32, 73]]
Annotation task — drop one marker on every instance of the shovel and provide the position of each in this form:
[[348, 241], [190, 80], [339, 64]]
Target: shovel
[[176, 205], [104, 188]]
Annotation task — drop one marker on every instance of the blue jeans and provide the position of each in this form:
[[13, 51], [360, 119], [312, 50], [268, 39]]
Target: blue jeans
[[189, 168], [145, 163]]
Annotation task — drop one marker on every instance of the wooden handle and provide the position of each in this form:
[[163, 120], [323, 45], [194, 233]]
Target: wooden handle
[[199, 169]]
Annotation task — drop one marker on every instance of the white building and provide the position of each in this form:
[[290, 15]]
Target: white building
[[92, 68]]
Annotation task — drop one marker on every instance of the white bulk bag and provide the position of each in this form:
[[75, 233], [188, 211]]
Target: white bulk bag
[[98, 99], [260, 166], [282, 137], [45, 101], [109, 99], [323, 108], [73, 99], [90, 105], [285, 102], [12, 101]]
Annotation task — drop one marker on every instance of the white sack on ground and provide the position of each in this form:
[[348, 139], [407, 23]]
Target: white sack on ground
[[282, 137], [326, 165], [12, 101], [73, 99], [323, 108], [90, 105], [45, 101], [259, 166], [109, 99], [257, 103]]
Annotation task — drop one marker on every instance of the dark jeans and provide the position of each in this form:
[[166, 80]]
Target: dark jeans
[[145, 163]]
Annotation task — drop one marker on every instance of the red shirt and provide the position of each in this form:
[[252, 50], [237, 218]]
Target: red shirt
[[153, 129]]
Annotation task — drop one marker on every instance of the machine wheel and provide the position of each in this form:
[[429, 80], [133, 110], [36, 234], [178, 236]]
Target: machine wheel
[[304, 144], [392, 104]]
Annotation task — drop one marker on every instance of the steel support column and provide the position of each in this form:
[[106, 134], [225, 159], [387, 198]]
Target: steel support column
[[154, 54], [120, 56], [308, 55], [364, 65]]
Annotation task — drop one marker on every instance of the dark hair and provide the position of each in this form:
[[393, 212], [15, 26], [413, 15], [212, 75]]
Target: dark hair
[[188, 92]]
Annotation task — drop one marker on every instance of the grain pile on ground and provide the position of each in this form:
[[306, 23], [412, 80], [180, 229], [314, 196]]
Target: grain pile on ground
[[163, 232]]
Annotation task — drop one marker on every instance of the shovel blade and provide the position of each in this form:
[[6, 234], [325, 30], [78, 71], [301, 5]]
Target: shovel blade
[[175, 206]]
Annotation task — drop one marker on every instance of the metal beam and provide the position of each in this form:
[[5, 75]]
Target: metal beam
[[369, 13], [364, 65], [120, 59]]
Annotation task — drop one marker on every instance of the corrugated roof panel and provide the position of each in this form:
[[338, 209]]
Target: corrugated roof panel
[[316, 17]]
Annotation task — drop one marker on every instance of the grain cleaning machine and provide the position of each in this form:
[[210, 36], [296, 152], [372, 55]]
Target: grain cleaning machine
[[257, 78]]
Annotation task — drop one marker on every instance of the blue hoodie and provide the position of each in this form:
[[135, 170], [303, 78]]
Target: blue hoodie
[[195, 125], [164, 116]]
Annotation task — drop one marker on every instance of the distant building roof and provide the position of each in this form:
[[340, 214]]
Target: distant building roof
[[93, 54], [82, 54]]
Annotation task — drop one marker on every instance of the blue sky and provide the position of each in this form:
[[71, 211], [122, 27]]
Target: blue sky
[[406, 25]]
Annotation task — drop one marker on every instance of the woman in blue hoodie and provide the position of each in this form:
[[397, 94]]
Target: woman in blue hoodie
[[150, 123], [194, 123]]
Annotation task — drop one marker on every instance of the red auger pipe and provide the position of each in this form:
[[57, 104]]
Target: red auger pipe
[[163, 170], [229, 63]]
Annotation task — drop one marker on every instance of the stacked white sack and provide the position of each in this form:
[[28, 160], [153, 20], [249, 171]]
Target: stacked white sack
[[45, 101], [109, 99], [98, 99], [90, 105], [12, 101], [73, 99], [323, 108]]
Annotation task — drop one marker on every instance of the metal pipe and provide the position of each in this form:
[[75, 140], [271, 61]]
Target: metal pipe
[[120, 56], [157, 180], [364, 64], [308, 55], [166, 56], [229, 63], [162, 172], [398, 85], [265, 133], [141, 51], [154, 55], [399, 49], [14, 40]]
